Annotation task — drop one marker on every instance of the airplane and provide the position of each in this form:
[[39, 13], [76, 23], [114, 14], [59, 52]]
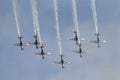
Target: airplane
[[75, 38], [20, 43], [80, 51], [97, 41], [36, 43], [42, 53], [62, 61]]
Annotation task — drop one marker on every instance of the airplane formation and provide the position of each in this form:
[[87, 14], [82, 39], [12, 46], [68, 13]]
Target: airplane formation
[[37, 36]]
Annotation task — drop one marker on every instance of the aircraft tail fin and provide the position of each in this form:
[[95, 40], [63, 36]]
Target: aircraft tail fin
[[97, 34], [62, 55], [43, 44]]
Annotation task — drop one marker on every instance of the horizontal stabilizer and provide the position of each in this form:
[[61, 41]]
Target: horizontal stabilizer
[[79, 52], [74, 31], [33, 43], [20, 37], [34, 36]]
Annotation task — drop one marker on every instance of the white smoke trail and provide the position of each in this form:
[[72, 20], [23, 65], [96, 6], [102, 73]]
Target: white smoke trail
[[75, 19], [94, 14], [16, 17], [35, 19], [33, 14], [57, 26]]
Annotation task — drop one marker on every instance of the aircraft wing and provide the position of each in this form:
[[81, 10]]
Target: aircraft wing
[[93, 41], [75, 51], [64, 62], [17, 44], [59, 62], [68, 62], [72, 39], [40, 53], [37, 53], [104, 41]]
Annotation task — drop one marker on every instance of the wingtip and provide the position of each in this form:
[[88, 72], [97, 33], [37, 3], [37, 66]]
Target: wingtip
[[69, 62], [83, 39], [49, 53], [104, 41], [28, 43]]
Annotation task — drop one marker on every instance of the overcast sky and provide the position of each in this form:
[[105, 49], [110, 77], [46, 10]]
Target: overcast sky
[[98, 64]]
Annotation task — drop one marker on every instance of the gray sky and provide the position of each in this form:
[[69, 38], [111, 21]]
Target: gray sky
[[98, 64]]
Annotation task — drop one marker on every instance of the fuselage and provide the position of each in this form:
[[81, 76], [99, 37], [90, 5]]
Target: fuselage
[[98, 40], [80, 50], [62, 61], [36, 42], [21, 44], [42, 53], [76, 38]]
